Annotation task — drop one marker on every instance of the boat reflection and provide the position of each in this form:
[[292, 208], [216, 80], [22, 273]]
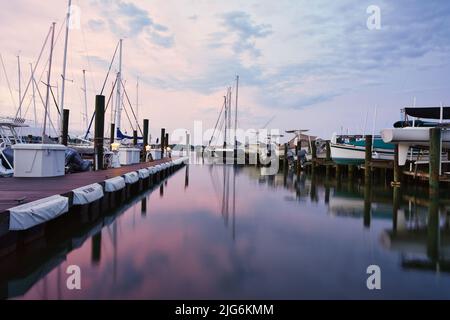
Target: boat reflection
[[231, 228], [420, 230]]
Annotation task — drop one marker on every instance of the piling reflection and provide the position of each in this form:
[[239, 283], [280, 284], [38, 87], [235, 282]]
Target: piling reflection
[[417, 234], [237, 233]]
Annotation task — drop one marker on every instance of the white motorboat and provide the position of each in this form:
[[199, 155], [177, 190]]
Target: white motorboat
[[417, 136]]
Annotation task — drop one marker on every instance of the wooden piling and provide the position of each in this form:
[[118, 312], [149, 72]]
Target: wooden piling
[[435, 160], [99, 130], [135, 137], [328, 159], [298, 162], [112, 134], [162, 141], [285, 160], [167, 143], [65, 128], [314, 151], [368, 159], [146, 128]]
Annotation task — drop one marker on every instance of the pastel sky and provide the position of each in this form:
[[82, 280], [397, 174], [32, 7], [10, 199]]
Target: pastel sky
[[311, 64]]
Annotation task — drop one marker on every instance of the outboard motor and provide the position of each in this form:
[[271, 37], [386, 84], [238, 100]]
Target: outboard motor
[[75, 163], [9, 155]]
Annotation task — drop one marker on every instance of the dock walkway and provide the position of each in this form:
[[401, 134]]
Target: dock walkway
[[16, 191]]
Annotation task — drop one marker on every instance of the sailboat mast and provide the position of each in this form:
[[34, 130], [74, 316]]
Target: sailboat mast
[[66, 42], [236, 112], [86, 121], [229, 109], [34, 95], [137, 103], [119, 92], [226, 116], [20, 86], [48, 82]]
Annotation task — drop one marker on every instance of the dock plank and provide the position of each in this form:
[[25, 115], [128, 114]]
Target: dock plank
[[32, 189]]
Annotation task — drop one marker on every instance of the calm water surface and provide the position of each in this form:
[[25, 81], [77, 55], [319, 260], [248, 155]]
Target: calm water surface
[[213, 231]]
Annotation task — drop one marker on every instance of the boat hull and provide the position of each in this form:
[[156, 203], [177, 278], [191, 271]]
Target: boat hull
[[355, 155], [411, 136]]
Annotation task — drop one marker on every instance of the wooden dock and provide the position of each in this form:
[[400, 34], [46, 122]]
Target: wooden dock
[[17, 191]]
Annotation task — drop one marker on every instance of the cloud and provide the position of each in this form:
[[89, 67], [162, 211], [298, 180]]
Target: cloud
[[246, 31], [166, 41], [96, 25], [126, 19]]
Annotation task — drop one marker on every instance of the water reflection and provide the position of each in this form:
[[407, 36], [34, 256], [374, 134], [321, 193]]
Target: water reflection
[[225, 231]]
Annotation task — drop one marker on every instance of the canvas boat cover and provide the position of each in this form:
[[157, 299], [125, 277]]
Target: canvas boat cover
[[87, 194], [31, 214], [114, 184], [131, 177], [428, 112], [143, 173]]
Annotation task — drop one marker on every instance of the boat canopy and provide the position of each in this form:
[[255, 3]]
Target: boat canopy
[[428, 112]]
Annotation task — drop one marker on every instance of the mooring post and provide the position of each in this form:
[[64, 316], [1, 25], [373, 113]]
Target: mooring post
[[313, 155], [162, 141], [435, 160], [328, 159], [146, 129], [99, 130], [135, 137], [285, 159], [167, 145], [112, 134], [145, 139], [65, 129], [368, 159], [298, 163]]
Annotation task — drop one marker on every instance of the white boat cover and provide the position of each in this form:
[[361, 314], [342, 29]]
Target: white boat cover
[[131, 177], [151, 170], [31, 214], [87, 194], [114, 184], [143, 173]]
